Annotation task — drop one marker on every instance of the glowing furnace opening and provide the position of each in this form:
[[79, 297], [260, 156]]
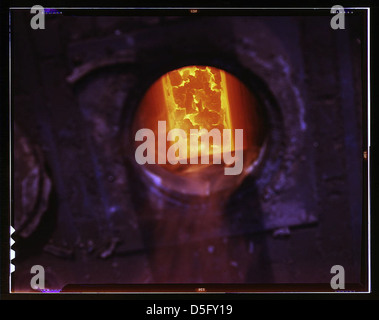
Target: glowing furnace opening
[[198, 100]]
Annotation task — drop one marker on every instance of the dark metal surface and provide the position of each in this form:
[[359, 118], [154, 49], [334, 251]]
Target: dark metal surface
[[76, 86]]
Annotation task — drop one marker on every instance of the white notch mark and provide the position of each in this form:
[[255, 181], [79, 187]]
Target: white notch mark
[[12, 253]]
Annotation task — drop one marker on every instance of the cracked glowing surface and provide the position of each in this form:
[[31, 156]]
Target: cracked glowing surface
[[201, 97], [197, 98]]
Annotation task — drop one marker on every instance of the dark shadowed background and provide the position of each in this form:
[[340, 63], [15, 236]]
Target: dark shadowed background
[[84, 213]]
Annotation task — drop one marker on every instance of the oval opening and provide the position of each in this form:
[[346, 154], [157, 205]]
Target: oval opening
[[198, 130]]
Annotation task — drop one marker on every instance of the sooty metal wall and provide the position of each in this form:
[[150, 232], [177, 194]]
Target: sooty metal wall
[[85, 213]]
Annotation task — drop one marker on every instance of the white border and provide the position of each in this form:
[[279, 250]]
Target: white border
[[216, 8]]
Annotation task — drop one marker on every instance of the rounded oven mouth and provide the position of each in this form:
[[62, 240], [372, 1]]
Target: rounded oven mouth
[[198, 130]]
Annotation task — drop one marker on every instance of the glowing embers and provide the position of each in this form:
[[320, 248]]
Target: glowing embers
[[197, 98], [208, 113]]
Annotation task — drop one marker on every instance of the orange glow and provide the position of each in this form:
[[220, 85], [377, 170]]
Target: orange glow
[[197, 98], [201, 97]]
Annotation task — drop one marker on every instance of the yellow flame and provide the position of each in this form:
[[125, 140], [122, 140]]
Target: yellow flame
[[197, 98]]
